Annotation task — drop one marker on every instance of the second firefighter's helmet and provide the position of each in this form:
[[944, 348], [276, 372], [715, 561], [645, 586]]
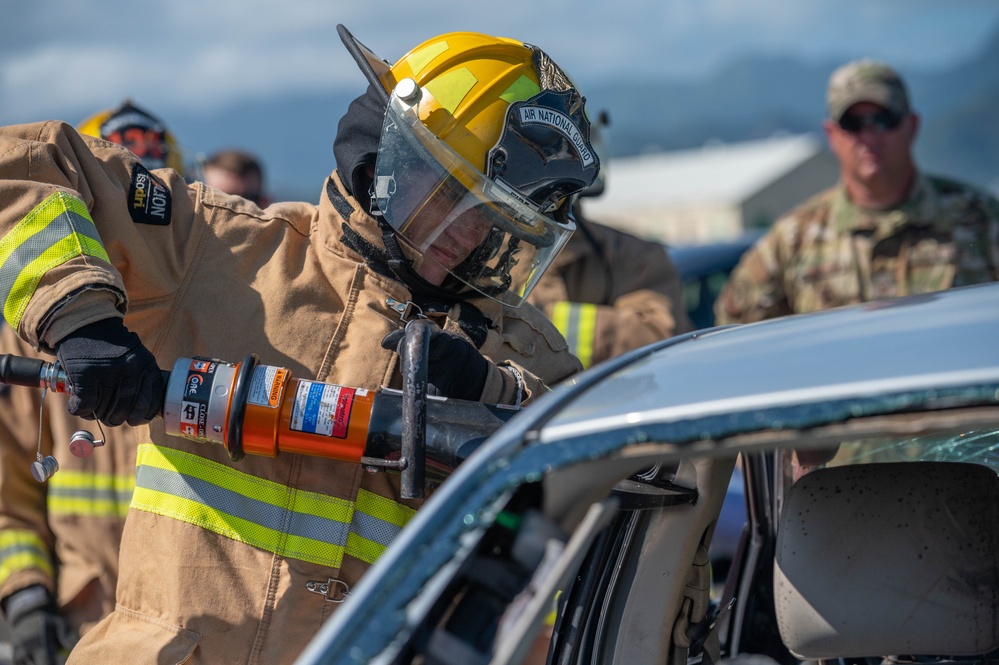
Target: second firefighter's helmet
[[145, 135], [484, 145]]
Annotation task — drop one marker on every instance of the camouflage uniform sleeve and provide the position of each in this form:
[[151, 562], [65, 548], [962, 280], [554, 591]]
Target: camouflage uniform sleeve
[[756, 289], [971, 215]]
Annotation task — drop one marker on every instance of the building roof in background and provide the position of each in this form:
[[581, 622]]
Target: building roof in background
[[724, 173]]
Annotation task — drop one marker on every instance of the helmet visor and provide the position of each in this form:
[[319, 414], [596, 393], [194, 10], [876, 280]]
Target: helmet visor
[[468, 226]]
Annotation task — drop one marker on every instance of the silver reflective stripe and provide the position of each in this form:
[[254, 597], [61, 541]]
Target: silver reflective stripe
[[577, 322], [374, 529], [21, 549], [288, 521], [377, 520], [233, 503], [85, 493], [284, 520]]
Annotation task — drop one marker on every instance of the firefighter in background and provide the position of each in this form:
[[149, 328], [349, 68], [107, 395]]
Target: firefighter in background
[[455, 177], [59, 540], [141, 132], [238, 172], [608, 291]]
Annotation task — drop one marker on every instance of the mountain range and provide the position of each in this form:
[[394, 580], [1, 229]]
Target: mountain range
[[751, 99], [758, 97]]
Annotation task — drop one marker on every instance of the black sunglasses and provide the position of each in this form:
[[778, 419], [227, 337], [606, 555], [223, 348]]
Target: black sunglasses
[[881, 121]]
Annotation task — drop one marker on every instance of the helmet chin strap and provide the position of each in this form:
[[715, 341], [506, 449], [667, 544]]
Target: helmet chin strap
[[430, 297]]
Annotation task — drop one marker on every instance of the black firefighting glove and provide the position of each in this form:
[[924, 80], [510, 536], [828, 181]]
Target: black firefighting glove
[[113, 377], [39, 635], [455, 367]]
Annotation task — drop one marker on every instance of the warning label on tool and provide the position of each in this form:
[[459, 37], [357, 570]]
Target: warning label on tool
[[265, 387], [197, 395], [193, 419], [321, 408]]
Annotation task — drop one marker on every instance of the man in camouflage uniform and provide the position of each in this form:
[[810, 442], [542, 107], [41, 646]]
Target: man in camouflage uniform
[[886, 230]]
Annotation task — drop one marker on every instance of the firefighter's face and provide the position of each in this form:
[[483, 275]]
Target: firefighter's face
[[452, 241]]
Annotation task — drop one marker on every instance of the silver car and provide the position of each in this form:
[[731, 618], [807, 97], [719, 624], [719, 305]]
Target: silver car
[[869, 443]]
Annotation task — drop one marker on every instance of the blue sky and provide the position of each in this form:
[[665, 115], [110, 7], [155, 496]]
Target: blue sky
[[64, 59]]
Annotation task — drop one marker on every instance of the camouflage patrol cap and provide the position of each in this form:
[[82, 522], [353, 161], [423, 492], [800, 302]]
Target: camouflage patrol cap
[[866, 81]]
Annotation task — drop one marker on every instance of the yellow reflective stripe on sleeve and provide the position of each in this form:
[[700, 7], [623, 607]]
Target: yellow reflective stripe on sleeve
[[284, 520], [578, 324], [560, 316], [56, 230], [22, 550], [88, 494]]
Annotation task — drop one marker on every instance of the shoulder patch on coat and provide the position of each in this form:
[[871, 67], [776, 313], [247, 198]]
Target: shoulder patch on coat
[[148, 199]]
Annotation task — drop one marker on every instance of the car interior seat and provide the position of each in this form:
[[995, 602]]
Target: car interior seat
[[892, 559]]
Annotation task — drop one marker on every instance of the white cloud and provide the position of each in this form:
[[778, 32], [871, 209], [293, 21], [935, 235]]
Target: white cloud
[[46, 78], [206, 54]]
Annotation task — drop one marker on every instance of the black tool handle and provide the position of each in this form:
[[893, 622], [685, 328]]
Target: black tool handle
[[21, 371], [35, 373], [415, 363]]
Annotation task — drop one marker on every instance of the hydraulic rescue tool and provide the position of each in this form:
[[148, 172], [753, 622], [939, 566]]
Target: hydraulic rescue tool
[[258, 409]]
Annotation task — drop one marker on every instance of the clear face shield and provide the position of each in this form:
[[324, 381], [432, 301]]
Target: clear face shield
[[461, 223]]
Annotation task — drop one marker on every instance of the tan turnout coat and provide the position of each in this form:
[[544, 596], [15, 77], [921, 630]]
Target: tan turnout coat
[[609, 292], [217, 557]]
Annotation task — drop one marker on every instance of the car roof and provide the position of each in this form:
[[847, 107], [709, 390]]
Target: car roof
[[691, 393], [926, 342]]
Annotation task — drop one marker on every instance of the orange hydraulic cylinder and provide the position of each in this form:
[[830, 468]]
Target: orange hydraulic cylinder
[[289, 415]]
